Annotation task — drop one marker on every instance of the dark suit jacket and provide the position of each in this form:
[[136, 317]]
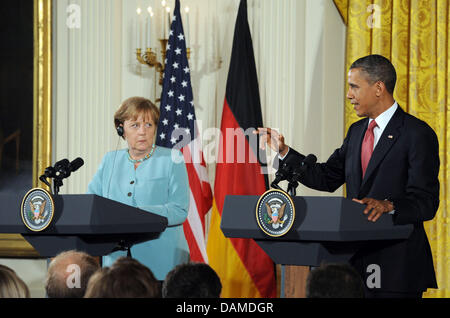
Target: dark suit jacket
[[403, 168]]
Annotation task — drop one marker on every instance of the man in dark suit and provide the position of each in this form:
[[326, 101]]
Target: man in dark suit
[[390, 162]]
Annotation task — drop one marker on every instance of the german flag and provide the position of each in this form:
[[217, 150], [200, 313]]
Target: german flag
[[243, 267]]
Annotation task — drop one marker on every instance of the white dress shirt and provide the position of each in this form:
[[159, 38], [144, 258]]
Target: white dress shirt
[[382, 121]]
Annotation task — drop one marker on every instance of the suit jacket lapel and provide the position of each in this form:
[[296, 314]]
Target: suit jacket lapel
[[390, 135]]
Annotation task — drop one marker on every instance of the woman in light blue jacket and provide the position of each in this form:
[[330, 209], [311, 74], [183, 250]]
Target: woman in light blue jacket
[[149, 178]]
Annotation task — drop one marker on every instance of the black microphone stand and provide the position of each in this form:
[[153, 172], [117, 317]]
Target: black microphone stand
[[292, 188], [57, 183], [298, 173], [49, 173]]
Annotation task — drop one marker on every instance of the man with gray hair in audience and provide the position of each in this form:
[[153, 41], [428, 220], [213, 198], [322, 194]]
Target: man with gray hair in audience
[[69, 273]]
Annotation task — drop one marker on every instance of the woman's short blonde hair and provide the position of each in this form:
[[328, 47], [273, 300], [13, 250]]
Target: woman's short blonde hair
[[11, 285], [133, 107]]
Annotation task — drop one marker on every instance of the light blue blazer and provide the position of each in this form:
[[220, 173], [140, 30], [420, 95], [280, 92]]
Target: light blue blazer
[[159, 185]]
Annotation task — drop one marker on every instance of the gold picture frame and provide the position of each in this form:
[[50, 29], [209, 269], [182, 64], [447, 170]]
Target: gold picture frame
[[14, 245]]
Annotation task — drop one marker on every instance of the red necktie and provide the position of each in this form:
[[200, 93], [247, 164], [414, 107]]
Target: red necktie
[[367, 147]]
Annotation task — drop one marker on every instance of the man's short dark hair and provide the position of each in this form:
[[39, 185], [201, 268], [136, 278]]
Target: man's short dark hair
[[377, 68], [334, 281], [59, 270], [192, 280]]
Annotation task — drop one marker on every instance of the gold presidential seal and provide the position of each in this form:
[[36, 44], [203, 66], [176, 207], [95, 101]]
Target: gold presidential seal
[[37, 209], [275, 213]]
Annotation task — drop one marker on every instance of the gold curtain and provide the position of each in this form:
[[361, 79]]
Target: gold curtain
[[414, 35]]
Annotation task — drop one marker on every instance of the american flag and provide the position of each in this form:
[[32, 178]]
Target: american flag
[[177, 128]]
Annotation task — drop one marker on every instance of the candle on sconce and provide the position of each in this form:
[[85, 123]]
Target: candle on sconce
[[163, 27], [138, 28], [168, 17], [187, 34], [149, 26]]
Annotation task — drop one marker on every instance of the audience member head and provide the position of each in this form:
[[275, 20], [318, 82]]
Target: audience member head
[[126, 278], [11, 285], [334, 281], [69, 273], [192, 280]]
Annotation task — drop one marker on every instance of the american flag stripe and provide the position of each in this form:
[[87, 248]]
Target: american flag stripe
[[199, 205], [178, 115], [203, 195], [194, 231], [200, 165]]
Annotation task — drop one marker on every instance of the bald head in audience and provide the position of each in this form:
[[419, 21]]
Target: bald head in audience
[[69, 273]]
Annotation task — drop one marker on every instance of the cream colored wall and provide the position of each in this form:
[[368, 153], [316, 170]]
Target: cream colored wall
[[299, 51]]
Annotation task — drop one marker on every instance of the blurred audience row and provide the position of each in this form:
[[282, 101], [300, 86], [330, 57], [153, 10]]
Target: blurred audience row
[[74, 274]]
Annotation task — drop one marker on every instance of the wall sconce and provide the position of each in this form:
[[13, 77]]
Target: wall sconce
[[149, 57]]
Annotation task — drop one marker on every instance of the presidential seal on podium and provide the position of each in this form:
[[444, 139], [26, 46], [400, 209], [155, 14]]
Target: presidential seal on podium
[[275, 213], [37, 209]]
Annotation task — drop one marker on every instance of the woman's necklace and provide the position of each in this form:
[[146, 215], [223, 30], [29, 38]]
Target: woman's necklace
[[143, 159]]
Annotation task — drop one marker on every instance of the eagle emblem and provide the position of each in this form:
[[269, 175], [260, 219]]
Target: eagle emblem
[[275, 212], [37, 209]]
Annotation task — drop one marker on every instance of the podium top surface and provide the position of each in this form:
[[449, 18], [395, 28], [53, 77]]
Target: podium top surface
[[317, 219], [83, 214]]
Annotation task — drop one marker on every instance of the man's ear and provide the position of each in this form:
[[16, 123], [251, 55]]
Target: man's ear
[[380, 88]]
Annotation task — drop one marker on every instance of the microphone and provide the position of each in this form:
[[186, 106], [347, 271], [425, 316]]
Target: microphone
[[281, 174], [76, 164], [65, 168], [309, 161], [48, 173], [300, 170], [286, 170], [62, 169], [61, 164]]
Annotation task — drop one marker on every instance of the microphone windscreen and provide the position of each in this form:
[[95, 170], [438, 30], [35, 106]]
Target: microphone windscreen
[[310, 160], [49, 172], [61, 164], [293, 160], [76, 164]]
